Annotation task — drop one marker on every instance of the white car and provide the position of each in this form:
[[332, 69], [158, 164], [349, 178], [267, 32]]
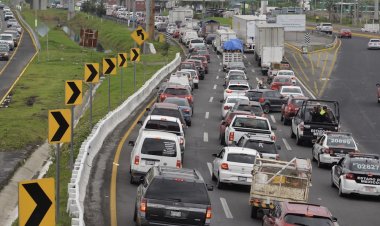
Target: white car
[[291, 90], [194, 75], [165, 124], [236, 88], [374, 43], [332, 146], [182, 78], [196, 42], [230, 72], [8, 38], [233, 165], [325, 27], [230, 102], [288, 73], [153, 148]]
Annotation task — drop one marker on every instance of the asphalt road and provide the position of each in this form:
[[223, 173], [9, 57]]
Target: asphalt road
[[348, 85]]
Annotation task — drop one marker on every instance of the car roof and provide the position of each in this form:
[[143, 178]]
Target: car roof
[[237, 96], [230, 149], [306, 209], [285, 71], [162, 118], [281, 76], [182, 173], [165, 105], [158, 134], [175, 86]]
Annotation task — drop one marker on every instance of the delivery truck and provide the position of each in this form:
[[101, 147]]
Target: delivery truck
[[267, 35], [180, 15], [244, 26], [270, 55], [222, 36]]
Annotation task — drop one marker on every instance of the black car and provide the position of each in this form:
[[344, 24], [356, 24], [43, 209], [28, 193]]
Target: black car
[[249, 106], [270, 100], [171, 196]]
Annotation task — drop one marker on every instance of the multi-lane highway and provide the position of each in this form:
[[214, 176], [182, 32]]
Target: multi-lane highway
[[111, 198]]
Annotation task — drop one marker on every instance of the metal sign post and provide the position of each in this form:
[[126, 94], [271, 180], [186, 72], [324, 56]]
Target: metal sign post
[[109, 68], [57, 183], [90, 106], [91, 75]]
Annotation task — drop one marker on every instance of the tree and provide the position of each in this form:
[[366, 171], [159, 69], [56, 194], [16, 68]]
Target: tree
[[329, 5]]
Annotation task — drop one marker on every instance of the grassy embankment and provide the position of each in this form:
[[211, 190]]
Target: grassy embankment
[[42, 86]]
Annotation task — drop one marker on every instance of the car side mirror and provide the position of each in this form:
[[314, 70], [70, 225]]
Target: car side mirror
[[334, 219], [221, 101], [273, 127], [278, 147], [215, 155], [131, 143], [224, 85], [282, 97], [209, 187], [223, 122], [378, 84], [147, 109], [139, 122]]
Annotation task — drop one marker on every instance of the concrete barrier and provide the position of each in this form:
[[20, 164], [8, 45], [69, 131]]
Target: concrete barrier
[[91, 146]]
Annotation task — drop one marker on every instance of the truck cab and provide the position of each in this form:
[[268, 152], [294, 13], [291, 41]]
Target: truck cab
[[314, 118]]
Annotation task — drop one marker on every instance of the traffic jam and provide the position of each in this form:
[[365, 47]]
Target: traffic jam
[[256, 103]]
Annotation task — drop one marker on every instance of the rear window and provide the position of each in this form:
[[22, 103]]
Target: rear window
[[261, 146], [237, 77], [178, 191], [285, 73], [238, 87], [167, 112], [159, 147], [233, 100], [306, 220], [202, 52], [254, 95], [163, 125], [326, 24], [365, 165], [291, 90], [187, 66], [196, 41], [251, 123], [297, 102], [177, 101], [241, 158], [173, 91], [340, 141], [257, 110], [375, 40], [281, 79]]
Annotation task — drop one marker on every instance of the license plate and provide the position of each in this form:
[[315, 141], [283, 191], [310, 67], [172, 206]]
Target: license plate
[[242, 179], [175, 213], [149, 162], [369, 189]]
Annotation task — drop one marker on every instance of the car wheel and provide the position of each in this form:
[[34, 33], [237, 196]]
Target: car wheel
[[312, 154], [332, 181], [266, 108], [340, 190], [213, 177], [135, 214], [254, 212], [221, 139], [286, 121], [282, 118], [219, 184], [196, 85], [132, 180], [188, 123], [292, 135], [319, 164], [298, 139]]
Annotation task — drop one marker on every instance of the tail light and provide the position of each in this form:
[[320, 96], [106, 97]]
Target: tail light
[[328, 151], [349, 176], [273, 137], [196, 77], [224, 166], [261, 100], [181, 140], [178, 164], [162, 96], [186, 110], [226, 107], [143, 205], [231, 136], [302, 126], [189, 98], [228, 91], [137, 160], [208, 213]]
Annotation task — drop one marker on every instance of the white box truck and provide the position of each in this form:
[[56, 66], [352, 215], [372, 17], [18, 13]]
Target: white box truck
[[222, 36], [270, 54], [268, 35], [244, 26], [179, 15]]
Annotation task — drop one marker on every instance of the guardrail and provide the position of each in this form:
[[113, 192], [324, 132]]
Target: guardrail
[[91, 146]]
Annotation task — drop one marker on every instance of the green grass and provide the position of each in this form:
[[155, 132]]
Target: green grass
[[44, 79], [221, 20]]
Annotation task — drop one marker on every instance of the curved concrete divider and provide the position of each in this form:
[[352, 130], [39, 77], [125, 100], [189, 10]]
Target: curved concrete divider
[[90, 147]]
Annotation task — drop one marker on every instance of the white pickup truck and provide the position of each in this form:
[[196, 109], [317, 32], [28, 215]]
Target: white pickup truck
[[258, 127]]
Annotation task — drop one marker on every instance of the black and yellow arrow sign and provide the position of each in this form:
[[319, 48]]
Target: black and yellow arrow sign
[[122, 59], [135, 54], [109, 66], [139, 35], [36, 202], [73, 92], [91, 73], [59, 126]]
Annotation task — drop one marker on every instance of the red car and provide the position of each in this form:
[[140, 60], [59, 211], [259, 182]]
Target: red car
[[345, 33], [177, 91], [226, 122], [188, 65], [293, 213], [203, 59], [290, 108], [279, 81], [378, 92]]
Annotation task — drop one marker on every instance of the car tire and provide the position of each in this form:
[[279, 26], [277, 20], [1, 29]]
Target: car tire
[[266, 108], [254, 212], [282, 118], [219, 185], [213, 177], [188, 123], [332, 181], [319, 163], [340, 192], [135, 214], [196, 86], [222, 140], [298, 139], [292, 135]]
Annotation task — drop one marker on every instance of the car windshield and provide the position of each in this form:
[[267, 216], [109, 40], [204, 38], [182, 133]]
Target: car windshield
[[159, 147], [252, 123], [291, 90], [236, 73], [167, 112], [172, 127], [375, 40], [241, 158], [345, 30], [341, 141], [202, 52], [365, 165], [237, 77], [173, 91], [177, 101], [307, 220], [257, 110], [238, 87], [262, 146], [285, 73], [6, 37], [178, 191], [198, 58]]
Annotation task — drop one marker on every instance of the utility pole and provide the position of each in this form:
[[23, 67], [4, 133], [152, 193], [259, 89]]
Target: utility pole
[[151, 19], [341, 11], [376, 16]]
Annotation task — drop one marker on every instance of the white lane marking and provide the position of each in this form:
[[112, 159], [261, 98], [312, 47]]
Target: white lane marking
[[207, 114], [220, 64], [209, 166], [217, 77], [245, 57], [307, 90], [249, 63], [205, 137], [253, 70], [273, 119], [210, 100], [218, 56], [214, 86], [286, 144], [226, 208], [220, 70]]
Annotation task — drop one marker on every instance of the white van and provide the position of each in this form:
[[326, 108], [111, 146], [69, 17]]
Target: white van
[[182, 78], [153, 148]]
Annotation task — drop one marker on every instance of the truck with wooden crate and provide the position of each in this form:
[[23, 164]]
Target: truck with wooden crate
[[276, 181]]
